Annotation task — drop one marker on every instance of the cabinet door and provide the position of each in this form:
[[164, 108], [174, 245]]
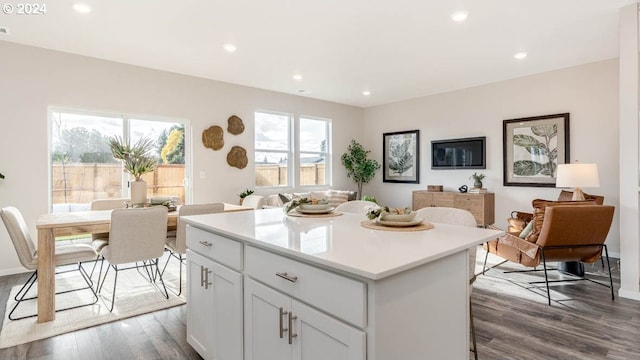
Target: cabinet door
[[265, 323], [443, 199], [421, 199], [214, 308], [227, 312], [321, 337], [199, 305]]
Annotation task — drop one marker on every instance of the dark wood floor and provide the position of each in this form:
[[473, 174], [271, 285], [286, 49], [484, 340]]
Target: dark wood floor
[[511, 323]]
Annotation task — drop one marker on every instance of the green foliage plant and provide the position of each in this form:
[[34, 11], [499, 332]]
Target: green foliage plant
[[358, 166], [246, 193], [137, 159], [370, 198]]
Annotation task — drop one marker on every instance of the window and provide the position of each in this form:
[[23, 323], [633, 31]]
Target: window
[[273, 153], [83, 169], [314, 151], [279, 149]]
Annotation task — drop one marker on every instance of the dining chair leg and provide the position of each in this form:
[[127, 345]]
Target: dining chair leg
[[115, 283], [159, 274]]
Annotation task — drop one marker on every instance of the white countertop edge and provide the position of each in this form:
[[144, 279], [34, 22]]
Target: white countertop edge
[[336, 266]]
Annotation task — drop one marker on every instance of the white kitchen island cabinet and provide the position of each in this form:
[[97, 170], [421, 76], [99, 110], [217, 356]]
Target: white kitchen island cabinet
[[327, 288]]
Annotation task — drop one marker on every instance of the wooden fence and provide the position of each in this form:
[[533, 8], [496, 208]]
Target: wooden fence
[[86, 182], [276, 175]]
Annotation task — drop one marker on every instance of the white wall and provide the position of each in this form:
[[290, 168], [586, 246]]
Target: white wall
[[588, 92], [32, 79]]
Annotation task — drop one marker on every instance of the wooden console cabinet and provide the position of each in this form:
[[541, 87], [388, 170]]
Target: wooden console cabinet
[[482, 206]]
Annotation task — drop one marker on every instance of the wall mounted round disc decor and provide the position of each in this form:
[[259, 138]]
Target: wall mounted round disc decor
[[235, 125], [213, 137], [237, 157]]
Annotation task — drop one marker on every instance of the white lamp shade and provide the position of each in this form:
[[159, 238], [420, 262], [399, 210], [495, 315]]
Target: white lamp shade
[[578, 175]]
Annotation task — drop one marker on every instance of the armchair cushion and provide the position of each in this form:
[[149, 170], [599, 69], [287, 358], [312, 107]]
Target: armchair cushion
[[539, 207], [526, 231]]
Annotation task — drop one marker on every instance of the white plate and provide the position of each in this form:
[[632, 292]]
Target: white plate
[[315, 211], [414, 222]]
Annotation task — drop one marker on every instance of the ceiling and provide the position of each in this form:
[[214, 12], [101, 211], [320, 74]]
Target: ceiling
[[395, 49]]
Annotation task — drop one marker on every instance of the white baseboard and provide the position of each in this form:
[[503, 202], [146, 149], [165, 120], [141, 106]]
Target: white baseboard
[[614, 254], [13, 271], [633, 295]]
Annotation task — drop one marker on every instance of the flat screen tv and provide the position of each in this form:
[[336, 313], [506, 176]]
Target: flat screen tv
[[467, 153]]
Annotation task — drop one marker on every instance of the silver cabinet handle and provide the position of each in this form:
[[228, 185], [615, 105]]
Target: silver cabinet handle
[[291, 333], [287, 277], [206, 243], [282, 328], [204, 277]]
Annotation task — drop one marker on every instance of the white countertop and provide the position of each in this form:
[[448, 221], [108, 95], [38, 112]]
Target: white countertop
[[340, 242]]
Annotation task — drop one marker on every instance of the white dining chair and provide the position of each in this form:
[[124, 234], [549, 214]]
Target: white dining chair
[[453, 216], [98, 241], [28, 257], [176, 243], [136, 235], [356, 207], [253, 201]]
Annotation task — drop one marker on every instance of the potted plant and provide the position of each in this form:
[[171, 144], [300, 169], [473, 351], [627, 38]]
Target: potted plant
[[244, 194], [477, 180], [358, 167], [137, 160]]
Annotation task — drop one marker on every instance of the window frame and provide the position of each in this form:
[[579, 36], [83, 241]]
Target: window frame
[[126, 133], [294, 153]]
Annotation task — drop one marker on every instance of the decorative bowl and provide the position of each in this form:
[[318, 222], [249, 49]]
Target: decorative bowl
[[315, 206], [389, 216]]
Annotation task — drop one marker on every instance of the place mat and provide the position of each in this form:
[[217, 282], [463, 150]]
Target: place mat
[[369, 224], [295, 213]]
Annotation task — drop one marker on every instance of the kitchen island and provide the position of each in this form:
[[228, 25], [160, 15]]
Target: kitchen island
[[262, 285]]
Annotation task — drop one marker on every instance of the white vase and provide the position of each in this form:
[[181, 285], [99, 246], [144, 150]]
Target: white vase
[[138, 192]]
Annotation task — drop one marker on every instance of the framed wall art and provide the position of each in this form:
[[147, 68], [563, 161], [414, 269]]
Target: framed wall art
[[532, 149], [401, 157]]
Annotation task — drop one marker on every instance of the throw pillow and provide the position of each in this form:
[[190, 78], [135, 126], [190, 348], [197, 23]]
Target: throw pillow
[[285, 198], [539, 207], [337, 197], [527, 230], [320, 195]]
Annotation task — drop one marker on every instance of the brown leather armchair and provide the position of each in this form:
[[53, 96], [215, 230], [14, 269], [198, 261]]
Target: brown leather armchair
[[562, 231]]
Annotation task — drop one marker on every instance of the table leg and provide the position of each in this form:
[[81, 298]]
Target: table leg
[[46, 275]]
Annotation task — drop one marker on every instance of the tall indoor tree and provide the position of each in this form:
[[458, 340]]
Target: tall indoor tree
[[359, 167]]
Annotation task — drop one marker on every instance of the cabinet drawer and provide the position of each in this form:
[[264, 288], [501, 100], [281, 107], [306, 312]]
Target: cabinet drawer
[[443, 200], [473, 204], [335, 294], [215, 247]]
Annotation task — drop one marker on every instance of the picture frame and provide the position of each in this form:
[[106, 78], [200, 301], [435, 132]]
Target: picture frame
[[401, 157], [533, 147]]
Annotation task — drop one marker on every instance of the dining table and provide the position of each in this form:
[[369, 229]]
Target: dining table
[[52, 225]]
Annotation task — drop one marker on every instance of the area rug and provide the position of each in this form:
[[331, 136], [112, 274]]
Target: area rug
[[134, 296]]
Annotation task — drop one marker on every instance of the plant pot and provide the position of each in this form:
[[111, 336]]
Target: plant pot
[[138, 192], [477, 184]]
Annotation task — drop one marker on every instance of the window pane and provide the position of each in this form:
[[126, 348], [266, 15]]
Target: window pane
[[312, 169], [272, 131], [313, 135], [168, 178], [271, 168], [83, 168]]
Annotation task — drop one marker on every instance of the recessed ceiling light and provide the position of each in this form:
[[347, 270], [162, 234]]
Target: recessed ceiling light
[[297, 77], [82, 8], [230, 48], [304, 91], [520, 55], [366, 93], [459, 16], [4, 30]]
